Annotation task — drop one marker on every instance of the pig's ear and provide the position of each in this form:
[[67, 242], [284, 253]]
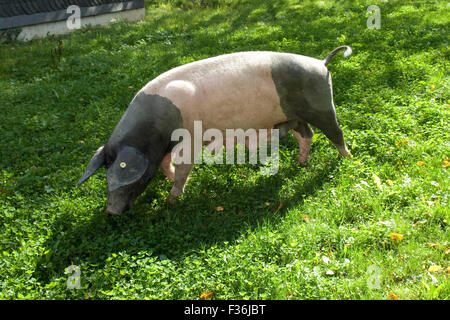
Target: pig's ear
[[129, 166], [96, 162]]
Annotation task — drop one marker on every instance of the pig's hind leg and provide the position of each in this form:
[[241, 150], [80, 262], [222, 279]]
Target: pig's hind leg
[[318, 110], [303, 133]]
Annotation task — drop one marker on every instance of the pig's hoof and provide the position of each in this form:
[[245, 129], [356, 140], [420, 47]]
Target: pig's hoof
[[302, 161], [170, 178], [171, 199]]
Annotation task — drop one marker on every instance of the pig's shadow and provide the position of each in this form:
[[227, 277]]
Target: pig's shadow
[[174, 231]]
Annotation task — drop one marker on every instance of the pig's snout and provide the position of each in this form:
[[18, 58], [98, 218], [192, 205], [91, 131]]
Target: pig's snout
[[114, 211], [116, 206]]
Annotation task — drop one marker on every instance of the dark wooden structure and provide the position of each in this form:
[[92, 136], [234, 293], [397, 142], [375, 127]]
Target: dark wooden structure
[[20, 13]]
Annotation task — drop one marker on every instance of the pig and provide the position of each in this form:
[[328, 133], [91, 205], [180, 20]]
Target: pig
[[253, 89]]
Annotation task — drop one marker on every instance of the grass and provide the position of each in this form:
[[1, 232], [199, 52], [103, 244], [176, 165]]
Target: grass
[[327, 231]]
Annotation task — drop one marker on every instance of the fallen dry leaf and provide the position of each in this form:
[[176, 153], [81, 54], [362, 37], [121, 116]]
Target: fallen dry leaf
[[396, 236], [446, 162], [433, 244], [420, 163], [206, 295], [434, 268], [392, 296], [219, 208], [399, 143], [305, 217]]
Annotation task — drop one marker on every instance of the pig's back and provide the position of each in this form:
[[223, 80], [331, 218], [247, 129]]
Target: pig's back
[[230, 91]]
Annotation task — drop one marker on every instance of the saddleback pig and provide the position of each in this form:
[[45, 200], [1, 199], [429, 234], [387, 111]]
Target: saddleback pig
[[259, 90]]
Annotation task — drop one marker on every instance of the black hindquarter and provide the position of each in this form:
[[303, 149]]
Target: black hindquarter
[[306, 96]]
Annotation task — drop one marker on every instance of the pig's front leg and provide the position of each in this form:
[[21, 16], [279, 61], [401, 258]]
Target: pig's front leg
[[181, 176], [167, 168]]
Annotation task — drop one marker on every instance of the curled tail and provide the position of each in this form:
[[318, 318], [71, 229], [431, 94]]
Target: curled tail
[[348, 51]]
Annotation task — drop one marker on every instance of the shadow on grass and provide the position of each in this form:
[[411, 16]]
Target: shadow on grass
[[178, 230], [99, 56]]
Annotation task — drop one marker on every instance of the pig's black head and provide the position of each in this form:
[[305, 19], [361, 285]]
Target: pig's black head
[[129, 172], [135, 149]]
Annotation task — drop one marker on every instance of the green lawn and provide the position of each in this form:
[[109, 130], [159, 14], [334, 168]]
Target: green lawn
[[372, 227]]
